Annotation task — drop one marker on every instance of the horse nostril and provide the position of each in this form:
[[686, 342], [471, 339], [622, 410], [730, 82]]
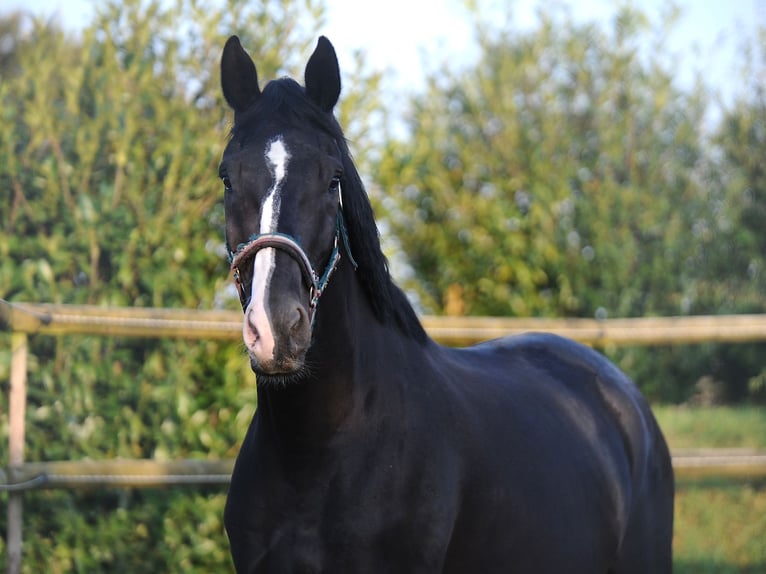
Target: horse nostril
[[296, 320], [251, 324]]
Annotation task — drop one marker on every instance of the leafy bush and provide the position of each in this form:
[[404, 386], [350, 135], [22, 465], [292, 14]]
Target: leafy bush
[[569, 173]]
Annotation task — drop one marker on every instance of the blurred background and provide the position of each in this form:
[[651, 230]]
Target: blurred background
[[565, 159]]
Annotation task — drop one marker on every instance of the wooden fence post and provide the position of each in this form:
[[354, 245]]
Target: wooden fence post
[[16, 418]]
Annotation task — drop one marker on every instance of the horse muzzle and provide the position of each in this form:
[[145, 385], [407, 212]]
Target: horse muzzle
[[277, 337]]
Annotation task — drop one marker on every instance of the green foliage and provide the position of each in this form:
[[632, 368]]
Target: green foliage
[[732, 255], [121, 531], [562, 155], [568, 173]]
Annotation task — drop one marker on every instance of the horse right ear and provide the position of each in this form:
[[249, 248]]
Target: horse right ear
[[239, 79]]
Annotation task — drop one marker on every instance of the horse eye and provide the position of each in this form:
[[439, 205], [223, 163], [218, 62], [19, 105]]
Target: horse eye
[[226, 182], [334, 184]]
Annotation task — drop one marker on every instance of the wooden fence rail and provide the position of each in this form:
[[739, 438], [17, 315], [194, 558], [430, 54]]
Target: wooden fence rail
[[688, 464], [24, 319], [53, 319]]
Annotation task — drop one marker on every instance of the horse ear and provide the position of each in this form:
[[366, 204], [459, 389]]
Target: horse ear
[[322, 75], [239, 79]]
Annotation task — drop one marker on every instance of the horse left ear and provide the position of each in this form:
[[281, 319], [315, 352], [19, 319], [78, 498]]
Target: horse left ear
[[322, 76]]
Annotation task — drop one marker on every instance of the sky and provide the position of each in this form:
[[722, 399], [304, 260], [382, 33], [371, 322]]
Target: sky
[[410, 36], [407, 38]]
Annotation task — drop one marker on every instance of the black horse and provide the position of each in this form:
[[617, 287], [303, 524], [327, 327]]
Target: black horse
[[374, 449]]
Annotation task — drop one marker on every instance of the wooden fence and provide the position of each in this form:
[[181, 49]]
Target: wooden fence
[[24, 319]]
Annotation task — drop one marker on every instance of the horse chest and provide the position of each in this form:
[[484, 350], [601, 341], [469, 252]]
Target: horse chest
[[348, 511], [309, 533]]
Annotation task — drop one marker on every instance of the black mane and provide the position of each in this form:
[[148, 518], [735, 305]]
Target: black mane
[[286, 99]]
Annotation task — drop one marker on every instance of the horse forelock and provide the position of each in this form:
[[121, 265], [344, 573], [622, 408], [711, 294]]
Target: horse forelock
[[283, 101]]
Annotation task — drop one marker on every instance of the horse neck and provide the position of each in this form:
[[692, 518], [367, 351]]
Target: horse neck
[[347, 341]]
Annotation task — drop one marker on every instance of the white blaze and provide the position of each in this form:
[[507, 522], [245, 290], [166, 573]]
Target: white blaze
[[257, 331]]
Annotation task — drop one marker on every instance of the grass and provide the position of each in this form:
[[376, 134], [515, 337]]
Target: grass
[[720, 528], [713, 427], [720, 525]]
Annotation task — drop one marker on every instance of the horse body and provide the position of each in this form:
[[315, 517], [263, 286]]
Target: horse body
[[374, 449]]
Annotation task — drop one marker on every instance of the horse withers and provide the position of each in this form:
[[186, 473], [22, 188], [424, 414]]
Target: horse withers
[[373, 449]]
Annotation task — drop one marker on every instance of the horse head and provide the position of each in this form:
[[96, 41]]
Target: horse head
[[282, 171]]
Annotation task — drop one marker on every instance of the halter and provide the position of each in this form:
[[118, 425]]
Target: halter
[[290, 245]]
